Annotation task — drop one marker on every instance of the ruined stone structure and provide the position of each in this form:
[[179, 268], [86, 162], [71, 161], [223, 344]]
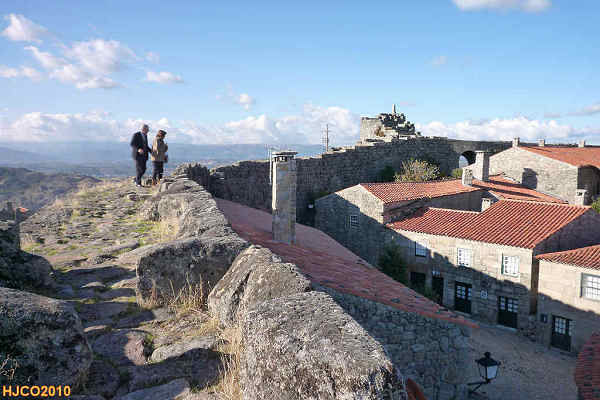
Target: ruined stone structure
[[387, 126], [284, 196]]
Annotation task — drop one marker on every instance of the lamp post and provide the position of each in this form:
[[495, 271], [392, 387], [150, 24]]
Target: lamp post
[[488, 369]]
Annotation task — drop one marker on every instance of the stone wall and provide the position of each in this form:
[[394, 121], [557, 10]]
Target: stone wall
[[247, 182], [560, 295]]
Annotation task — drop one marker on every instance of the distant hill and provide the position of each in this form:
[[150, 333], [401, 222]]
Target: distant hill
[[10, 156], [33, 190]]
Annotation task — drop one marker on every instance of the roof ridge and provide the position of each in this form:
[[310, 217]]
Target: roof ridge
[[567, 251], [451, 210], [399, 182], [544, 203]]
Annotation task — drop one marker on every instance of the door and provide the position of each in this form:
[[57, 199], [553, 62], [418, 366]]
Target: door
[[462, 297], [508, 309], [437, 284], [417, 280], [561, 333]]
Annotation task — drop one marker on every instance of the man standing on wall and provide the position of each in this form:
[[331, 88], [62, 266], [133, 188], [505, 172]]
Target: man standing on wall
[[139, 152]]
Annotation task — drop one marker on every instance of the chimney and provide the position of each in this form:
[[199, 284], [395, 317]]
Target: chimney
[[581, 197], [486, 202], [467, 177], [481, 168], [581, 143], [284, 197], [541, 142], [516, 142]]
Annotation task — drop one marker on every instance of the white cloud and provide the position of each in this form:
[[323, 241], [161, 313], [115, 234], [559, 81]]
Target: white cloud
[[22, 72], [21, 29], [589, 110], [152, 57], [440, 60], [101, 57], [163, 77], [47, 60], [524, 5], [243, 99]]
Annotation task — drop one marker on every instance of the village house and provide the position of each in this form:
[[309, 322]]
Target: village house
[[569, 172], [569, 297], [483, 263]]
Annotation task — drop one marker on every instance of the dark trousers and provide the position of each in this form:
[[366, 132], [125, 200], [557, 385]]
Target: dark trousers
[[140, 169], [158, 170]]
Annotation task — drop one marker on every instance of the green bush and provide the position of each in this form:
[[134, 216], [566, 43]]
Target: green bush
[[387, 174], [390, 262], [456, 173], [418, 171], [596, 205]]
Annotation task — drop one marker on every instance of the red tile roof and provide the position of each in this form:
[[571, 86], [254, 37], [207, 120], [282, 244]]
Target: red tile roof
[[577, 156], [586, 257], [506, 222], [328, 263], [508, 189], [587, 369], [390, 192]]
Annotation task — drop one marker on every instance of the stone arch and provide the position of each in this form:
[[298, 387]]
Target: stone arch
[[469, 156]]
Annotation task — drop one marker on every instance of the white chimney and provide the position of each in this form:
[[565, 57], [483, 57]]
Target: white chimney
[[467, 177], [486, 203], [516, 142], [481, 168], [541, 142], [581, 197], [581, 143], [284, 197]]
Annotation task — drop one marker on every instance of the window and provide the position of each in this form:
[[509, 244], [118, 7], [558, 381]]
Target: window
[[421, 249], [590, 287], [354, 221], [464, 257], [510, 265]]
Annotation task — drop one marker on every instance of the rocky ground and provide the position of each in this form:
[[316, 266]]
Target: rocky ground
[[91, 239]]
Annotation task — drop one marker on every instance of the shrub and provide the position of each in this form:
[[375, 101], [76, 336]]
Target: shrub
[[387, 174], [456, 173], [390, 262], [596, 205], [418, 171]]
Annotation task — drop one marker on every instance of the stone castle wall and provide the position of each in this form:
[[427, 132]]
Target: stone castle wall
[[247, 182]]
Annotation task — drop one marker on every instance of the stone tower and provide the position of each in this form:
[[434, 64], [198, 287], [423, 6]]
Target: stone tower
[[284, 196], [481, 168]]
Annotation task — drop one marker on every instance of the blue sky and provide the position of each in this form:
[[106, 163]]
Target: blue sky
[[267, 71]]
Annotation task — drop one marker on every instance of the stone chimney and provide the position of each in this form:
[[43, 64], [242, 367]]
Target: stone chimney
[[467, 177], [541, 142], [581, 197], [581, 143], [284, 197], [486, 202], [516, 142], [481, 168]]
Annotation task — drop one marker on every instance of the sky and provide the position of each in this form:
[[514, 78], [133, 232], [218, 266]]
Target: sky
[[278, 72]]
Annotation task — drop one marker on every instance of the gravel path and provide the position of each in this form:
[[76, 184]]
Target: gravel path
[[529, 370]]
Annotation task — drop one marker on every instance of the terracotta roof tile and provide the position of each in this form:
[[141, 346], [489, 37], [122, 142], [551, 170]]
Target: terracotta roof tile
[[390, 192], [328, 263], [507, 222], [508, 189], [587, 369], [577, 156], [586, 257]]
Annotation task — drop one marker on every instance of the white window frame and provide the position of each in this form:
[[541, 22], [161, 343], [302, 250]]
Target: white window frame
[[512, 270], [421, 248], [460, 257], [354, 221], [590, 287]]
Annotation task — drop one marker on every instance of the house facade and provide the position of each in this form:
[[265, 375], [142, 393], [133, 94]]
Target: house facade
[[569, 297], [483, 263]]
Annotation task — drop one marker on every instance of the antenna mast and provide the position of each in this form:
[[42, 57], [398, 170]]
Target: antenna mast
[[325, 139]]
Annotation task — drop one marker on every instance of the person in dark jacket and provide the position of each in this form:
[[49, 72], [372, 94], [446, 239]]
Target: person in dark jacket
[[139, 152]]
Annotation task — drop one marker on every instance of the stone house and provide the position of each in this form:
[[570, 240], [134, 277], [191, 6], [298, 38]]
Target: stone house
[[483, 263], [569, 172], [569, 297]]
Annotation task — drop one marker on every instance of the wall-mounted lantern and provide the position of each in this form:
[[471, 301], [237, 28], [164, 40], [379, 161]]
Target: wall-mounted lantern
[[488, 370]]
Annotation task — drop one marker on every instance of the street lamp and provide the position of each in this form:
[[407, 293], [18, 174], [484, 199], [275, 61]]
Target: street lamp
[[488, 369]]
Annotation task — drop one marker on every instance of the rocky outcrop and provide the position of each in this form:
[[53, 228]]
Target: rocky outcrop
[[255, 276], [206, 244], [305, 346], [19, 269], [45, 337]]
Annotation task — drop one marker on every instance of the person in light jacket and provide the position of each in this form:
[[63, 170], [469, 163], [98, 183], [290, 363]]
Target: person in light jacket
[[159, 156]]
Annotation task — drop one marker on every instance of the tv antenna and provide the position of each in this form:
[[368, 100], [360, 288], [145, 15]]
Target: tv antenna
[[325, 138]]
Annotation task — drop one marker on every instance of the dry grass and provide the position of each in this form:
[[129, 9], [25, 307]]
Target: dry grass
[[228, 386], [190, 298]]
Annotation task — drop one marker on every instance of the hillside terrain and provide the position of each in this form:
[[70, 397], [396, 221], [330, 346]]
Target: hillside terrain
[[33, 190]]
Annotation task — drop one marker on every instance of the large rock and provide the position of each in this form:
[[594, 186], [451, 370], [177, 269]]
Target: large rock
[[45, 337], [256, 275], [165, 269], [305, 346], [19, 269]]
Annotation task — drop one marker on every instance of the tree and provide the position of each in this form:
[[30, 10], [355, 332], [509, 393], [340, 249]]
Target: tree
[[390, 262], [418, 171], [596, 206], [457, 173], [387, 174]]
